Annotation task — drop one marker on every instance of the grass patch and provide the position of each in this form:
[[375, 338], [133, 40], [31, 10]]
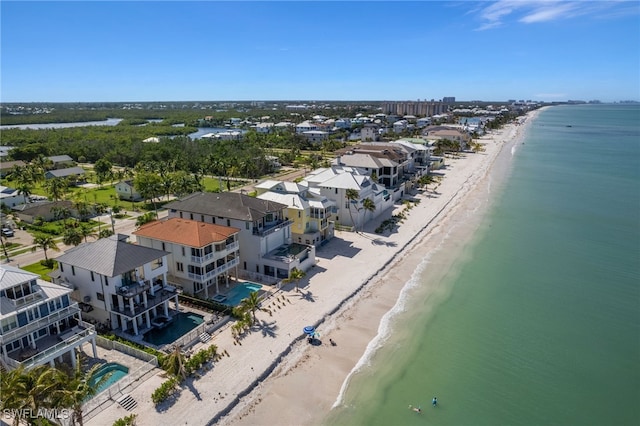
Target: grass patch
[[40, 269]]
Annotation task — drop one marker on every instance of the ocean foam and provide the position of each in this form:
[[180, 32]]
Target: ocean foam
[[384, 329]]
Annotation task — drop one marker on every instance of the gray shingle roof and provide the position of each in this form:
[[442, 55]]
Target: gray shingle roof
[[71, 171], [226, 204], [110, 256]]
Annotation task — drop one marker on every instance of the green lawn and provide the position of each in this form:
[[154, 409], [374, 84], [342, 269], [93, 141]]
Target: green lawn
[[39, 269]]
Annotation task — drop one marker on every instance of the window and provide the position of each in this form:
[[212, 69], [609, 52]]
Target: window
[[213, 219], [228, 222], [164, 248], [61, 268], [100, 296], [183, 251], [106, 281], [180, 266], [201, 218], [191, 216], [246, 225], [73, 270], [180, 215], [92, 277]]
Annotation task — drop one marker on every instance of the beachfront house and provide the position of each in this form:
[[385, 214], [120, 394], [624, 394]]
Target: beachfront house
[[39, 323], [267, 252], [333, 183], [392, 165], [121, 285], [201, 255], [310, 211]]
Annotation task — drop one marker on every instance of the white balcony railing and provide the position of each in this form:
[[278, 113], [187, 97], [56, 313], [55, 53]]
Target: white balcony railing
[[36, 325]]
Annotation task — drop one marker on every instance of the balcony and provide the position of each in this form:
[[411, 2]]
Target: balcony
[[133, 289], [36, 325], [28, 299], [48, 349], [273, 228], [152, 301]]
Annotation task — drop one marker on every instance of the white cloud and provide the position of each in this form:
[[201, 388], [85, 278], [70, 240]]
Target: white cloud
[[537, 11], [550, 13]]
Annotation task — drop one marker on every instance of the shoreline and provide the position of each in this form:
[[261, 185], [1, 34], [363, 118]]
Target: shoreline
[[366, 321], [267, 378]]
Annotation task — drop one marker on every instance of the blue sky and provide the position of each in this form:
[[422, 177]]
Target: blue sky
[[357, 50]]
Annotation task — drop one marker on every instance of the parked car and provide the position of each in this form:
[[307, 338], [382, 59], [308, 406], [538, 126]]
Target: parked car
[[7, 232]]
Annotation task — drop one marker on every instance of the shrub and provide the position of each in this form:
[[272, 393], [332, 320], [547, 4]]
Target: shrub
[[129, 420], [165, 390]]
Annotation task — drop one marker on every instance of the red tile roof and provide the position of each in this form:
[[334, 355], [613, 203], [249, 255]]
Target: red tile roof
[[186, 232]]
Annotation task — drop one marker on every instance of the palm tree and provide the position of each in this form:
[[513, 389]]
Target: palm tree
[[14, 400], [369, 206], [295, 275], [86, 231], [252, 304], [78, 388], [72, 237], [45, 242], [352, 198], [174, 363], [35, 387], [56, 188]]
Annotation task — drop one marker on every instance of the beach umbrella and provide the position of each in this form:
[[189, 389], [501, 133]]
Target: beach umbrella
[[310, 330]]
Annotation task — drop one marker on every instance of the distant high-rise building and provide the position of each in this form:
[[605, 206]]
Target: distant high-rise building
[[449, 99], [419, 109]]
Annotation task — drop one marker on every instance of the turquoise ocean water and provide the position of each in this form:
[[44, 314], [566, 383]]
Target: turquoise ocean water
[[538, 322]]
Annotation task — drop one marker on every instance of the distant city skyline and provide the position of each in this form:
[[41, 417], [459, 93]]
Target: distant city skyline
[[150, 51]]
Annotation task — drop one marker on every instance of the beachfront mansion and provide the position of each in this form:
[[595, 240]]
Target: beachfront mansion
[[39, 323]]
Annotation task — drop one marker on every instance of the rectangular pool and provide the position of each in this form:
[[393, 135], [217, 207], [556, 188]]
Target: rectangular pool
[[182, 323], [241, 291]]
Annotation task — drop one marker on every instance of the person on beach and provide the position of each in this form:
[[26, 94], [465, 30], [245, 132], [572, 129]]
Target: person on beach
[[434, 401]]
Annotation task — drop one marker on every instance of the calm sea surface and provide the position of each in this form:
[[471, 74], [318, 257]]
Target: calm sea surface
[[539, 322]]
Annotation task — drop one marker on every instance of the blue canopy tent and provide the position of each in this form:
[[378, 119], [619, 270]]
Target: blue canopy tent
[[311, 333]]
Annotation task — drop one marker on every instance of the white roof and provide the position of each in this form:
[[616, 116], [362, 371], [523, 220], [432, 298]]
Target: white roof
[[294, 201]]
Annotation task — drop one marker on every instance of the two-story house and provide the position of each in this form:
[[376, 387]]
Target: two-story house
[[266, 250], [309, 210], [124, 284], [126, 191], [202, 255], [39, 323]]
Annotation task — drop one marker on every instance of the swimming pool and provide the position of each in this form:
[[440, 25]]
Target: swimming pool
[[241, 291], [182, 323], [118, 371]]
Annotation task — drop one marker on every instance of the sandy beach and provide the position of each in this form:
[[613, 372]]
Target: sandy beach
[[357, 281]]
